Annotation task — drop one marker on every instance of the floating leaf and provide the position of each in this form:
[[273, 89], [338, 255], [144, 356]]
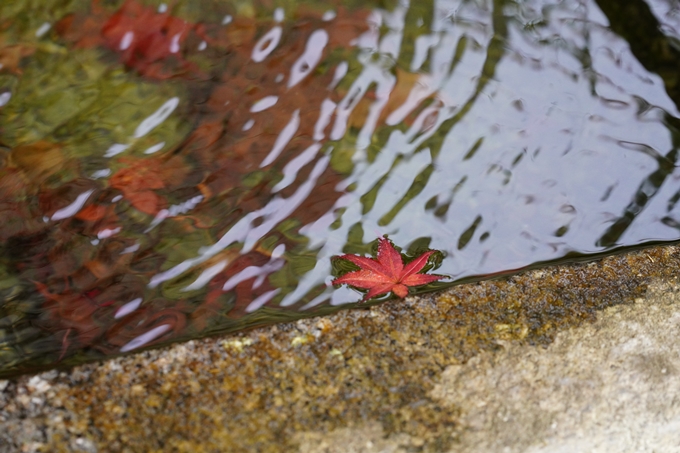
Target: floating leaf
[[387, 273]]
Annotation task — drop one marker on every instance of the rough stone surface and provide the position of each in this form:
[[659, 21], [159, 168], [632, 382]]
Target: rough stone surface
[[613, 386], [532, 362], [370, 438]]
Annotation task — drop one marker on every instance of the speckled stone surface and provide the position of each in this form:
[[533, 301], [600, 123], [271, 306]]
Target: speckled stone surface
[[514, 364]]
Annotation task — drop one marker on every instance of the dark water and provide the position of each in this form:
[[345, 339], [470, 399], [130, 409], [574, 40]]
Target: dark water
[[175, 170]]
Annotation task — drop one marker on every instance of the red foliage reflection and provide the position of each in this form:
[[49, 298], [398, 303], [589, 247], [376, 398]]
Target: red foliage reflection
[[91, 263]]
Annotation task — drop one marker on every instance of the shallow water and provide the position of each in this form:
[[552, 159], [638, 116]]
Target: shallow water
[[176, 171]]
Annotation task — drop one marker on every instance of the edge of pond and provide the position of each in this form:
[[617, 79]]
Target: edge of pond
[[256, 390]]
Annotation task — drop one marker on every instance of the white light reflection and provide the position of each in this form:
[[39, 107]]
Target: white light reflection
[[327, 109], [420, 91], [261, 300], [267, 44], [145, 338], [310, 58], [421, 49], [376, 73], [126, 40], [73, 208], [155, 148], [248, 125], [337, 296], [245, 230], [174, 210], [133, 248], [264, 104], [282, 140], [115, 149], [394, 21], [206, 276], [346, 105], [340, 73], [174, 44], [44, 28], [279, 208], [261, 272], [108, 232], [385, 83], [4, 97], [156, 118], [291, 169], [101, 173], [369, 39], [128, 308]]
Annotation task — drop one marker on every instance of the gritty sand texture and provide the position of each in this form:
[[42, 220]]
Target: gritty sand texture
[[578, 357]]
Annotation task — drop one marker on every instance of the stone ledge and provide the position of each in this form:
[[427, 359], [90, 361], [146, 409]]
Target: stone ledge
[[472, 369]]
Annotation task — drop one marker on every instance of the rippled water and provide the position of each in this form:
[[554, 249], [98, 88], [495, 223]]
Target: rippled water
[[176, 170]]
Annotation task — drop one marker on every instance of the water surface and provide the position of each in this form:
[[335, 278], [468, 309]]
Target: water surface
[[171, 171]]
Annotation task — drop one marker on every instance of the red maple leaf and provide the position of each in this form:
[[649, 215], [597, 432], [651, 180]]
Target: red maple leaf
[[387, 272]]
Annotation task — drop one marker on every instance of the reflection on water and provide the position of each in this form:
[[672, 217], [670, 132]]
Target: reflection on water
[[176, 170]]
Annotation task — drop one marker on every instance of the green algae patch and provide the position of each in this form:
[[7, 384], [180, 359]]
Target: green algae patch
[[355, 369]]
